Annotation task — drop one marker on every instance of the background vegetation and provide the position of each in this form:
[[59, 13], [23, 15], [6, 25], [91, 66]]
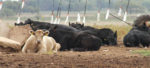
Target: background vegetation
[[12, 8]]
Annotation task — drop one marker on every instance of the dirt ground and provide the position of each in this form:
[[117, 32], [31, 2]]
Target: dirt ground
[[106, 57]]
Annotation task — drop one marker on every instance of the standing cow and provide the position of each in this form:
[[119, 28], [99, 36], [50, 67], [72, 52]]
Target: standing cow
[[39, 42]]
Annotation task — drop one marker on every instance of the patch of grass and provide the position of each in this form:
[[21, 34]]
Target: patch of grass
[[142, 52]]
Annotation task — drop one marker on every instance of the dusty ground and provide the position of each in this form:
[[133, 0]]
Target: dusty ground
[[106, 57]]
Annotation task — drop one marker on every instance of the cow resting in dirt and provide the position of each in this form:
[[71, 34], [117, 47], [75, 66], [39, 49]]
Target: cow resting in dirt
[[39, 42], [78, 41], [107, 36], [140, 33], [136, 37]]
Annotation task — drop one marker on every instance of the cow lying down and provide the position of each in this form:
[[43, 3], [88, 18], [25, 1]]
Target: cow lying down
[[40, 42]]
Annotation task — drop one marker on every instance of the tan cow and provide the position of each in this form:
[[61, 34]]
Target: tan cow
[[40, 42]]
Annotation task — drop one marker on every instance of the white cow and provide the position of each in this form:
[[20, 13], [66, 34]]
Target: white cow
[[40, 42]]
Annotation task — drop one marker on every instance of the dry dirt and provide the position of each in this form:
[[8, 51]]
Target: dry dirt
[[106, 57]]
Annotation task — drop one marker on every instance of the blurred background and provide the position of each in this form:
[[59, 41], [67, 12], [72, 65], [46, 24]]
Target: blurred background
[[42, 9], [11, 9]]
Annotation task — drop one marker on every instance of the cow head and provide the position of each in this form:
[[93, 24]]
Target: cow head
[[38, 34], [111, 39], [76, 25], [28, 21]]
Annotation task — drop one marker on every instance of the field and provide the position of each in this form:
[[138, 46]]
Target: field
[[107, 57]]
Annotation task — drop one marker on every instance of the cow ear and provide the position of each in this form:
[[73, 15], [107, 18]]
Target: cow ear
[[115, 34], [31, 32], [46, 33]]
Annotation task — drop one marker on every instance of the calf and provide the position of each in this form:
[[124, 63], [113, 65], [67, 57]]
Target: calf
[[39, 42]]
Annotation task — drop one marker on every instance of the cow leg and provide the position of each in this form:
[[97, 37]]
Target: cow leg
[[42, 49], [57, 47]]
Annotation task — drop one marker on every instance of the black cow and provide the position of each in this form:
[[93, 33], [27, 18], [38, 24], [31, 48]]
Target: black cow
[[45, 25], [81, 41], [81, 26], [107, 35], [35, 24], [139, 34], [131, 40], [136, 37], [76, 25]]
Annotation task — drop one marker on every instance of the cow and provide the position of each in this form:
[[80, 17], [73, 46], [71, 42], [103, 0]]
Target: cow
[[76, 25], [139, 34], [141, 20], [107, 35], [136, 37], [35, 25], [81, 26], [131, 40], [39, 42], [77, 41]]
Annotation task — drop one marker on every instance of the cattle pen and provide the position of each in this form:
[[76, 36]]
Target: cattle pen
[[80, 33]]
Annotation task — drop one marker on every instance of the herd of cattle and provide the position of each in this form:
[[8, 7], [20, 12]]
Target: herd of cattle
[[78, 37]]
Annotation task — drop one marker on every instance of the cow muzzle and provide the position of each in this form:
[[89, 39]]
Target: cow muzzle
[[38, 41]]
